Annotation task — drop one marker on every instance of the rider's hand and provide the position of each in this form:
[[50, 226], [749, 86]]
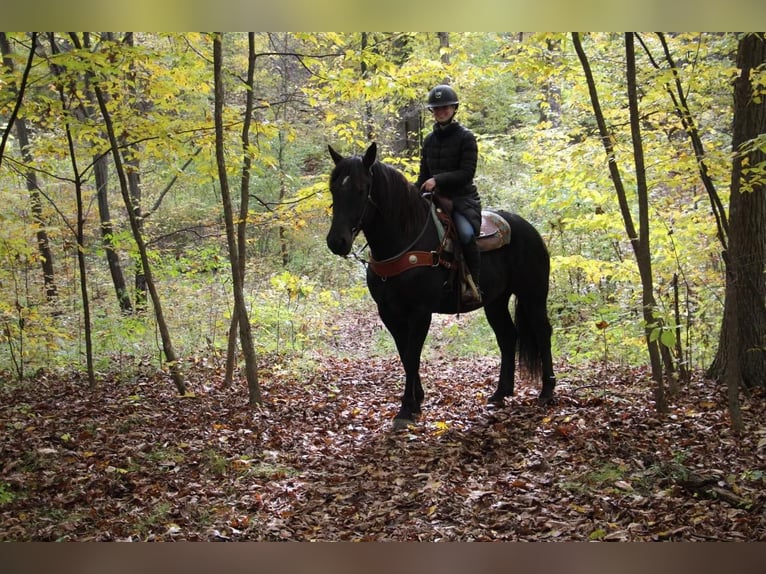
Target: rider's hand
[[428, 185]]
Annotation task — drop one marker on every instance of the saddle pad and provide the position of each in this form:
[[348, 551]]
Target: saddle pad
[[495, 231]]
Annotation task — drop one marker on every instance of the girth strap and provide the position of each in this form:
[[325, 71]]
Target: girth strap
[[406, 261]]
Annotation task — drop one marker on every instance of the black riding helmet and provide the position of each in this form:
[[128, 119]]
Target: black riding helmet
[[442, 95]]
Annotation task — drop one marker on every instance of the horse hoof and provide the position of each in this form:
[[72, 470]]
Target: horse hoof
[[494, 401], [402, 424], [544, 401]]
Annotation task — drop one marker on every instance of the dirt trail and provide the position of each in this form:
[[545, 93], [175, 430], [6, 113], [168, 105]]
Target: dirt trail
[[131, 461]]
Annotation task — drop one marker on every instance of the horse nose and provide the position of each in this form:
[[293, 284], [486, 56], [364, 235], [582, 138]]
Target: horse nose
[[338, 244]]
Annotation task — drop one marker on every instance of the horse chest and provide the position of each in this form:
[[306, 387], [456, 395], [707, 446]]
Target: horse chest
[[416, 290]]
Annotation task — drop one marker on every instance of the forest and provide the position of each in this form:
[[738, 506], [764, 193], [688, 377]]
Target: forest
[[183, 358]]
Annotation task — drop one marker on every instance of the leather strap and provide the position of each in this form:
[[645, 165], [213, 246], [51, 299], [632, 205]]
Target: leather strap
[[406, 261]]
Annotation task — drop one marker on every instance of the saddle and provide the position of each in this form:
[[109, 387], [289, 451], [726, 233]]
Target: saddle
[[495, 233], [495, 230]]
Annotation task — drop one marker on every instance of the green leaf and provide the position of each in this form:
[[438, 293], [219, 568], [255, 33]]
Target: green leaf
[[597, 534], [668, 337]]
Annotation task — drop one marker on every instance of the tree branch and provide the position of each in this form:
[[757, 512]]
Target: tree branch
[[22, 87]]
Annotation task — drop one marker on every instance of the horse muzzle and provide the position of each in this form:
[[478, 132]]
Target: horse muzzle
[[340, 243]]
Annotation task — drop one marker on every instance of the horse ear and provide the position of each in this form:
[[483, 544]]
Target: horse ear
[[369, 155], [336, 157]]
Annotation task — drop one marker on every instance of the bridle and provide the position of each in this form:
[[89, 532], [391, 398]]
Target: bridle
[[367, 202], [407, 257]]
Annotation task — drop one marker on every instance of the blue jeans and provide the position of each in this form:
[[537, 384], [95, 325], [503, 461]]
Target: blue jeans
[[464, 227]]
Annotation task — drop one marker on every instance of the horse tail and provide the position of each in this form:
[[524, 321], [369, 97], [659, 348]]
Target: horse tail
[[531, 326]]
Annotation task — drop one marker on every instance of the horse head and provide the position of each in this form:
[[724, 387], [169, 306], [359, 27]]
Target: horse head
[[350, 186]]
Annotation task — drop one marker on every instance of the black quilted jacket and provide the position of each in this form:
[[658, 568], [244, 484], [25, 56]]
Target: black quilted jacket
[[449, 155]]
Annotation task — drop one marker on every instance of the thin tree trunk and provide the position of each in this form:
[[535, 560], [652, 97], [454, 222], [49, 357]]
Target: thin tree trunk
[[22, 135], [678, 96], [84, 112], [365, 71], [550, 107], [444, 53], [81, 254], [133, 172], [167, 345], [101, 170], [643, 253], [80, 228], [640, 243], [240, 309], [285, 85], [281, 230], [409, 117]]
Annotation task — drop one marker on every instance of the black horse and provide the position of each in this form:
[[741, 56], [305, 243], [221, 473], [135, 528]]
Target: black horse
[[410, 280]]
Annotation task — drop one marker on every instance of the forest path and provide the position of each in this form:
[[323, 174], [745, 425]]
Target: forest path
[[319, 461]]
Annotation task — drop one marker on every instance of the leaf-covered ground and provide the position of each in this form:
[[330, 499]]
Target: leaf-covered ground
[[132, 461]]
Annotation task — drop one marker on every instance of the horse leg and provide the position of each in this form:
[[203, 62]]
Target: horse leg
[[409, 334], [543, 334], [499, 318]]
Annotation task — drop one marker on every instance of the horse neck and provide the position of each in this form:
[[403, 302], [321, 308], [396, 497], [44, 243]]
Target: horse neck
[[398, 217]]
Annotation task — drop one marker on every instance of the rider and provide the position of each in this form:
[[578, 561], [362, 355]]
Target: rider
[[447, 165]]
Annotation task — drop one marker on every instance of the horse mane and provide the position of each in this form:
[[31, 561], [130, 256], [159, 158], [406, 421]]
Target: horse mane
[[397, 198]]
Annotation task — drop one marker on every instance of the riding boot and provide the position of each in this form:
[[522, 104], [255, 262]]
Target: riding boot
[[472, 260]]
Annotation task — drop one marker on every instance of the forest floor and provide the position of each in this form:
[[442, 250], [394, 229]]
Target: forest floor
[[132, 461]]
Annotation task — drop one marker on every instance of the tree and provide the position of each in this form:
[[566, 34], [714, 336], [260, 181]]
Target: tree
[[101, 175], [742, 350], [639, 240], [22, 134], [550, 105], [167, 344], [78, 174], [133, 162], [681, 105], [236, 249]]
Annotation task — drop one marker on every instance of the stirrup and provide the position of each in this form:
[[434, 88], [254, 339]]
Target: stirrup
[[472, 293]]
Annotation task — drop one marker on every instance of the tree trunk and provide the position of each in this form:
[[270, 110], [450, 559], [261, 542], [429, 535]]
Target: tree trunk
[[133, 172], [167, 345], [35, 202], [240, 309], [643, 247], [101, 170], [285, 82], [80, 226], [85, 112], [639, 241], [741, 358], [550, 107], [409, 119], [678, 97], [22, 134], [369, 123], [444, 49]]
